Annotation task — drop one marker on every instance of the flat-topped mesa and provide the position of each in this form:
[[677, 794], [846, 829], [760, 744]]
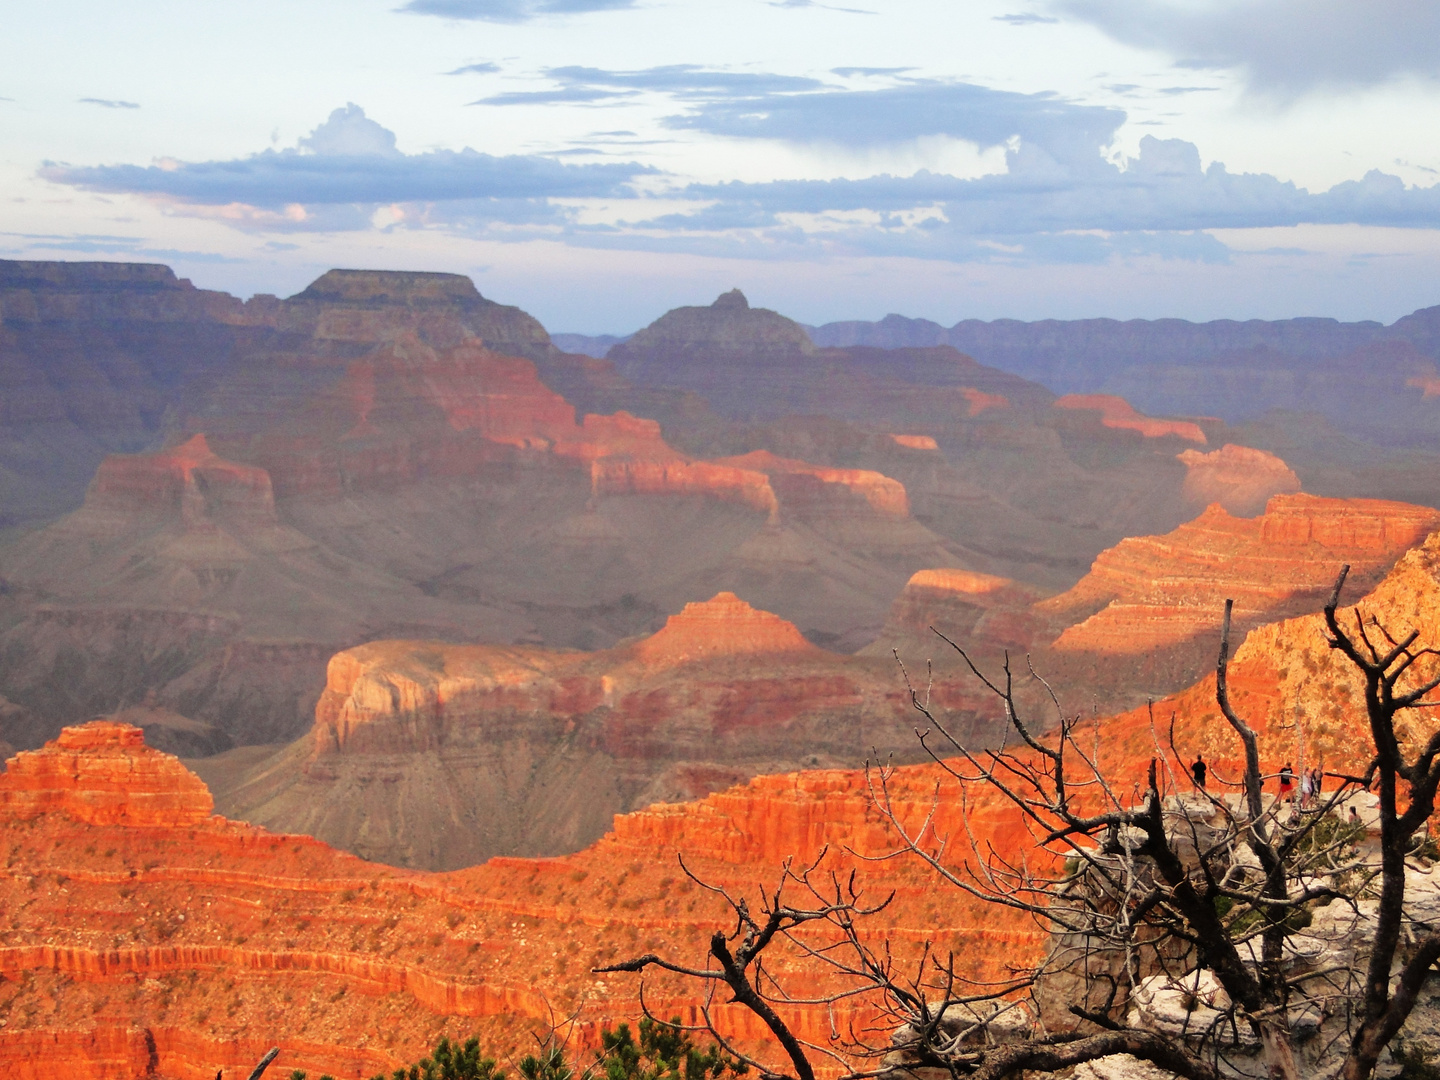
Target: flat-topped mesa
[[1154, 591], [189, 479], [445, 309], [723, 626], [102, 773], [654, 475], [1239, 478], [1116, 412], [798, 483]]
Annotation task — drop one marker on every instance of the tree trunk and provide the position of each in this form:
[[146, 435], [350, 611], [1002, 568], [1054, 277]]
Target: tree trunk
[[1279, 1053]]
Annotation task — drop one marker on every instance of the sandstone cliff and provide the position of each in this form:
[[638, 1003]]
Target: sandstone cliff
[[1158, 599], [160, 948], [433, 755]]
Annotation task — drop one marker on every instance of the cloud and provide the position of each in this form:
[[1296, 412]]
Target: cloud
[[1283, 48], [485, 68], [108, 103], [684, 81], [510, 11], [1026, 18], [1042, 209], [849, 72], [911, 110], [338, 175]]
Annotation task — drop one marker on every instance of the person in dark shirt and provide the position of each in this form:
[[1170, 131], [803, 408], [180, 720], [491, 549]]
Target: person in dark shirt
[[1198, 770], [1287, 782]]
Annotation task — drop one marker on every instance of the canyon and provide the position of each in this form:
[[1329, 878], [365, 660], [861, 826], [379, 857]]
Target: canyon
[[392, 455], [164, 942]]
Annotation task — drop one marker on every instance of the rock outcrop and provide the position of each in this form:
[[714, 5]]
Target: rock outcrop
[[1160, 598], [968, 608], [216, 929], [1240, 479], [534, 750], [1116, 412], [104, 774]]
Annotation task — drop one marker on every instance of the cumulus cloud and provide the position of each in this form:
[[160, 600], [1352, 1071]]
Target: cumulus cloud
[[1164, 189], [510, 10], [338, 175], [1282, 47]]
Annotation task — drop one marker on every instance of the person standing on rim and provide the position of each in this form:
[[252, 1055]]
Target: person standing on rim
[[1287, 782], [1198, 770]]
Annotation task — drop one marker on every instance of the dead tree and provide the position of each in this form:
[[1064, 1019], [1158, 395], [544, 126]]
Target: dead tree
[[1271, 930]]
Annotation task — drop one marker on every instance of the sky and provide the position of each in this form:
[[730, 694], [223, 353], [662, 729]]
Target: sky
[[598, 162]]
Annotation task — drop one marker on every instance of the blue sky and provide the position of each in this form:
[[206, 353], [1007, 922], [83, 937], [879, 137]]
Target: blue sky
[[599, 161]]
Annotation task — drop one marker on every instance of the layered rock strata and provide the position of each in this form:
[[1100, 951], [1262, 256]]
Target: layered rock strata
[[215, 929], [1241, 479], [434, 755], [1157, 600]]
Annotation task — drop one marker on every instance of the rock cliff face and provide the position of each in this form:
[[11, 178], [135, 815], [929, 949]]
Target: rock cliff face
[[1116, 412], [215, 929], [966, 607], [534, 750], [1161, 597], [1354, 374], [1238, 478], [104, 774]]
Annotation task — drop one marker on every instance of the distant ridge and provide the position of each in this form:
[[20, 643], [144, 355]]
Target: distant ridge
[[1231, 369]]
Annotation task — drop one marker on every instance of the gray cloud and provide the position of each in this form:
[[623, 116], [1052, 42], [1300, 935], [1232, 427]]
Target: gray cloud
[[108, 103], [510, 11], [1026, 18], [1163, 190], [1282, 47], [349, 165], [909, 111]]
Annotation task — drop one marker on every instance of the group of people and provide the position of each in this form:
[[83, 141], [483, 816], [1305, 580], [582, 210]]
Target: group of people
[[1310, 781]]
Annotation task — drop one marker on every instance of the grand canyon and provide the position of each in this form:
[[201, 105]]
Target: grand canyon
[[370, 658]]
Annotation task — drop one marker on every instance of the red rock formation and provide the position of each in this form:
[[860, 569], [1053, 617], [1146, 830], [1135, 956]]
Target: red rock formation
[[1116, 412], [966, 607], [540, 747], [217, 931], [1238, 478], [915, 442], [189, 479], [723, 626], [677, 476], [798, 482], [104, 774], [980, 401], [1148, 593]]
